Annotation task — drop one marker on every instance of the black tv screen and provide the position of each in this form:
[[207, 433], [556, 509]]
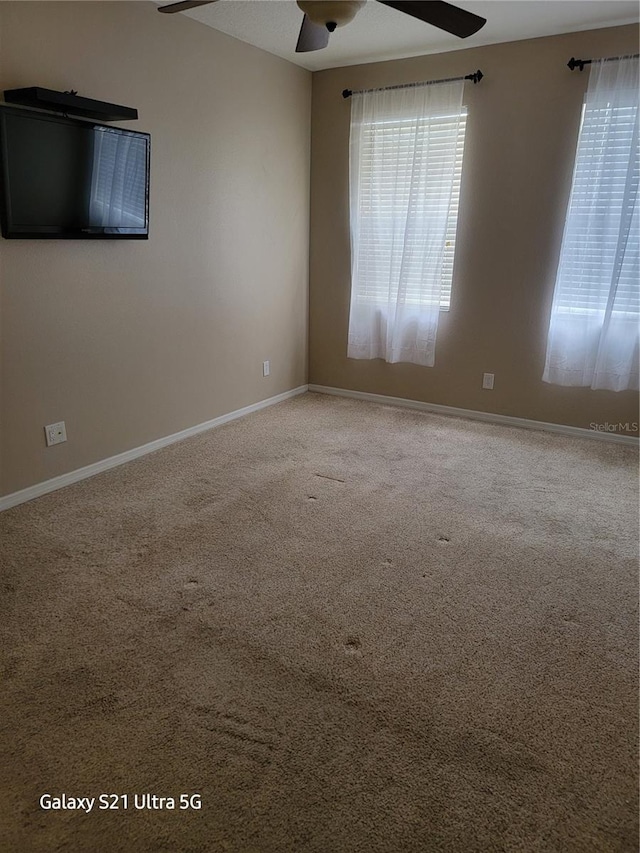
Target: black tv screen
[[67, 178]]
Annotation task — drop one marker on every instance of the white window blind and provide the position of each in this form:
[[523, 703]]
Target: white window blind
[[389, 174], [590, 245], [405, 165]]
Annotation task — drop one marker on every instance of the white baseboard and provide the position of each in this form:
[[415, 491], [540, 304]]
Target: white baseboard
[[113, 461], [505, 420], [35, 491]]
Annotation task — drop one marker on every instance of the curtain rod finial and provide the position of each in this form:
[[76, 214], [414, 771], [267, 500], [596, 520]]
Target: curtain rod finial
[[476, 76], [574, 63], [346, 93]]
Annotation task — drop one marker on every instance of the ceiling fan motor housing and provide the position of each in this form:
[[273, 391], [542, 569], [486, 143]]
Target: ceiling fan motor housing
[[331, 13]]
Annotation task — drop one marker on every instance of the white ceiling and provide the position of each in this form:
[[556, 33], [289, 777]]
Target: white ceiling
[[380, 33]]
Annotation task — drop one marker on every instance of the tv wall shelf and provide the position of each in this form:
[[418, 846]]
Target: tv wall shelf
[[69, 103]]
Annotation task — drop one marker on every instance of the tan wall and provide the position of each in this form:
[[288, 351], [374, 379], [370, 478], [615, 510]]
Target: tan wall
[[521, 135], [132, 341]]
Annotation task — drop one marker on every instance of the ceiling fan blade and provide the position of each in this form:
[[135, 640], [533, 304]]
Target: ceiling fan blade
[[442, 15], [184, 5], [312, 36]]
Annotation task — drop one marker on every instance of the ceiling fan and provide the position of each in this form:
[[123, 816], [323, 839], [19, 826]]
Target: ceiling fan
[[321, 17]]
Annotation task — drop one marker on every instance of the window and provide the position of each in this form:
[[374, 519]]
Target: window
[[386, 179], [594, 326], [406, 149], [590, 244]]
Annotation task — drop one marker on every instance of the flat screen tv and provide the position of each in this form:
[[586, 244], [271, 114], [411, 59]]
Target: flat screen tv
[[71, 179]]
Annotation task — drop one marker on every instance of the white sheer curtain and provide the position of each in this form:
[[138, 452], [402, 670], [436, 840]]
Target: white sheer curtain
[[403, 148], [594, 332]]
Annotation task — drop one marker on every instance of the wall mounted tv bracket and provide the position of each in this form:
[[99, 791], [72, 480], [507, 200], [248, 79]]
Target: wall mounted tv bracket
[[69, 103]]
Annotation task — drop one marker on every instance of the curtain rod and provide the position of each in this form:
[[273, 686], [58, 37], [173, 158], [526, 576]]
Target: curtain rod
[[580, 63], [476, 77]]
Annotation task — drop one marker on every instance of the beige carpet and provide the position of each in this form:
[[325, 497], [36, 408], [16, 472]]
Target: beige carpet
[[347, 627]]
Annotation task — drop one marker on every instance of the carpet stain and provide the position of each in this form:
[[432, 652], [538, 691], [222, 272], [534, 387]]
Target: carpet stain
[[353, 645]]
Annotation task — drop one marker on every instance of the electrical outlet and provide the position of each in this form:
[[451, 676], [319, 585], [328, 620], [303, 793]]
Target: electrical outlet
[[487, 381], [55, 433], [266, 368]]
